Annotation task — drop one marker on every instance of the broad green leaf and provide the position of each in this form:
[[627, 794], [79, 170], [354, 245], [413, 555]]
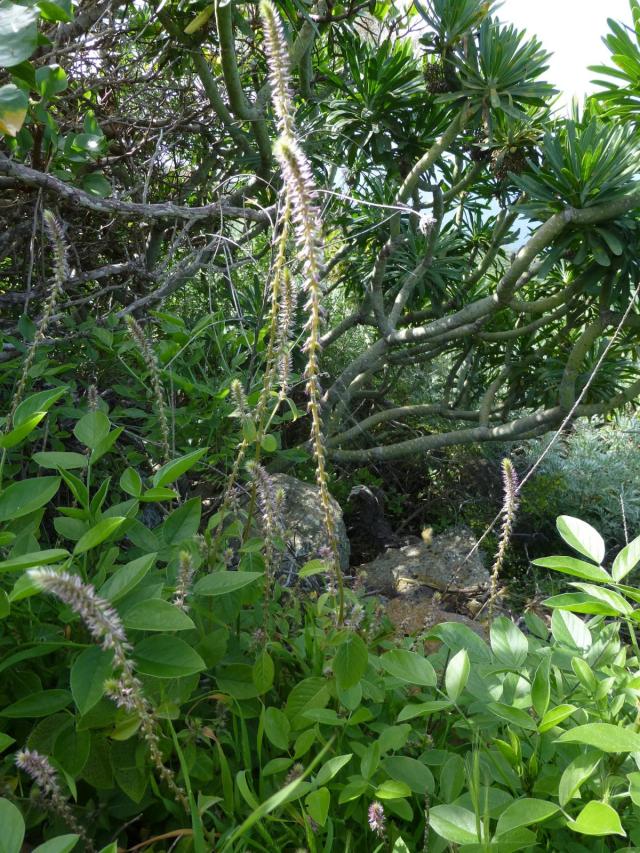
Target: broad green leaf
[[60, 459], [508, 643], [580, 602], [608, 597], [25, 496], [269, 443], [570, 630], [627, 560], [412, 772], [60, 844], [157, 615], [454, 824], [97, 534], [18, 33], [92, 428], [392, 790], [350, 661], [317, 803], [43, 703], [575, 567], [174, 469], [11, 821], [97, 185], [514, 716], [311, 692], [555, 716], [105, 444], [166, 656], [456, 636], [277, 727], [313, 567], [524, 813], [332, 767], [89, 672], [131, 482], [409, 666], [41, 401], [19, 433], [541, 687], [582, 537], [126, 578], [222, 583], [457, 674], [183, 522], [576, 774], [603, 736], [56, 11], [50, 80], [37, 558], [424, 709], [263, 672], [597, 819], [158, 495]]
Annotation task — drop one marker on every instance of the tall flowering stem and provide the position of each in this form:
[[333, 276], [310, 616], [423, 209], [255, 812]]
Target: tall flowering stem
[[300, 195], [510, 502], [105, 626], [39, 768], [60, 275], [151, 362]]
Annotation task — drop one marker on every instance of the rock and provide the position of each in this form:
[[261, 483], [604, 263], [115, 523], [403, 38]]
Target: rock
[[440, 563], [410, 616], [303, 520]]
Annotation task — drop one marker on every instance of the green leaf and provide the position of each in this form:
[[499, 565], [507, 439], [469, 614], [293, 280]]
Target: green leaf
[[508, 643], [577, 568], [105, 444], [50, 80], [157, 495], [457, 674], [582, 537], [166, 656], [183, 522], [392, 790], [313, 567], [57, 12], [60, 459], [92, 428], [263, 672], [597, 819], [97, 534], [39, 704], [37, 558], [19, 433], [524, 813], [126, 578], [603, 736], [11, 821], [576, 774], [555, 716], [174, 469], [25, 496], [332, 767], [317, 803], [277, 727], [18, 33], [131, 482], [97, 185], [454, 824], [350, 662], [409, 666], [223, 583], [412, 772], [89, 672], [157, 615], [424, 709], [541, 687], [41, 401], [60, 844], [269, 443], [570, 630], [626, 560], [514, 716]]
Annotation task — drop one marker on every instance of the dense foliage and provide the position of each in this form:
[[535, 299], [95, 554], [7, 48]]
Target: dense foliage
[[204, 199]]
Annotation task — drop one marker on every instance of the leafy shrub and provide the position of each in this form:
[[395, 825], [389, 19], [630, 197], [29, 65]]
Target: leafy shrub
[[587, 474]]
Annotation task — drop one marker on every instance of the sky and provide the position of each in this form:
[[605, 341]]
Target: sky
[[572, 30]]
